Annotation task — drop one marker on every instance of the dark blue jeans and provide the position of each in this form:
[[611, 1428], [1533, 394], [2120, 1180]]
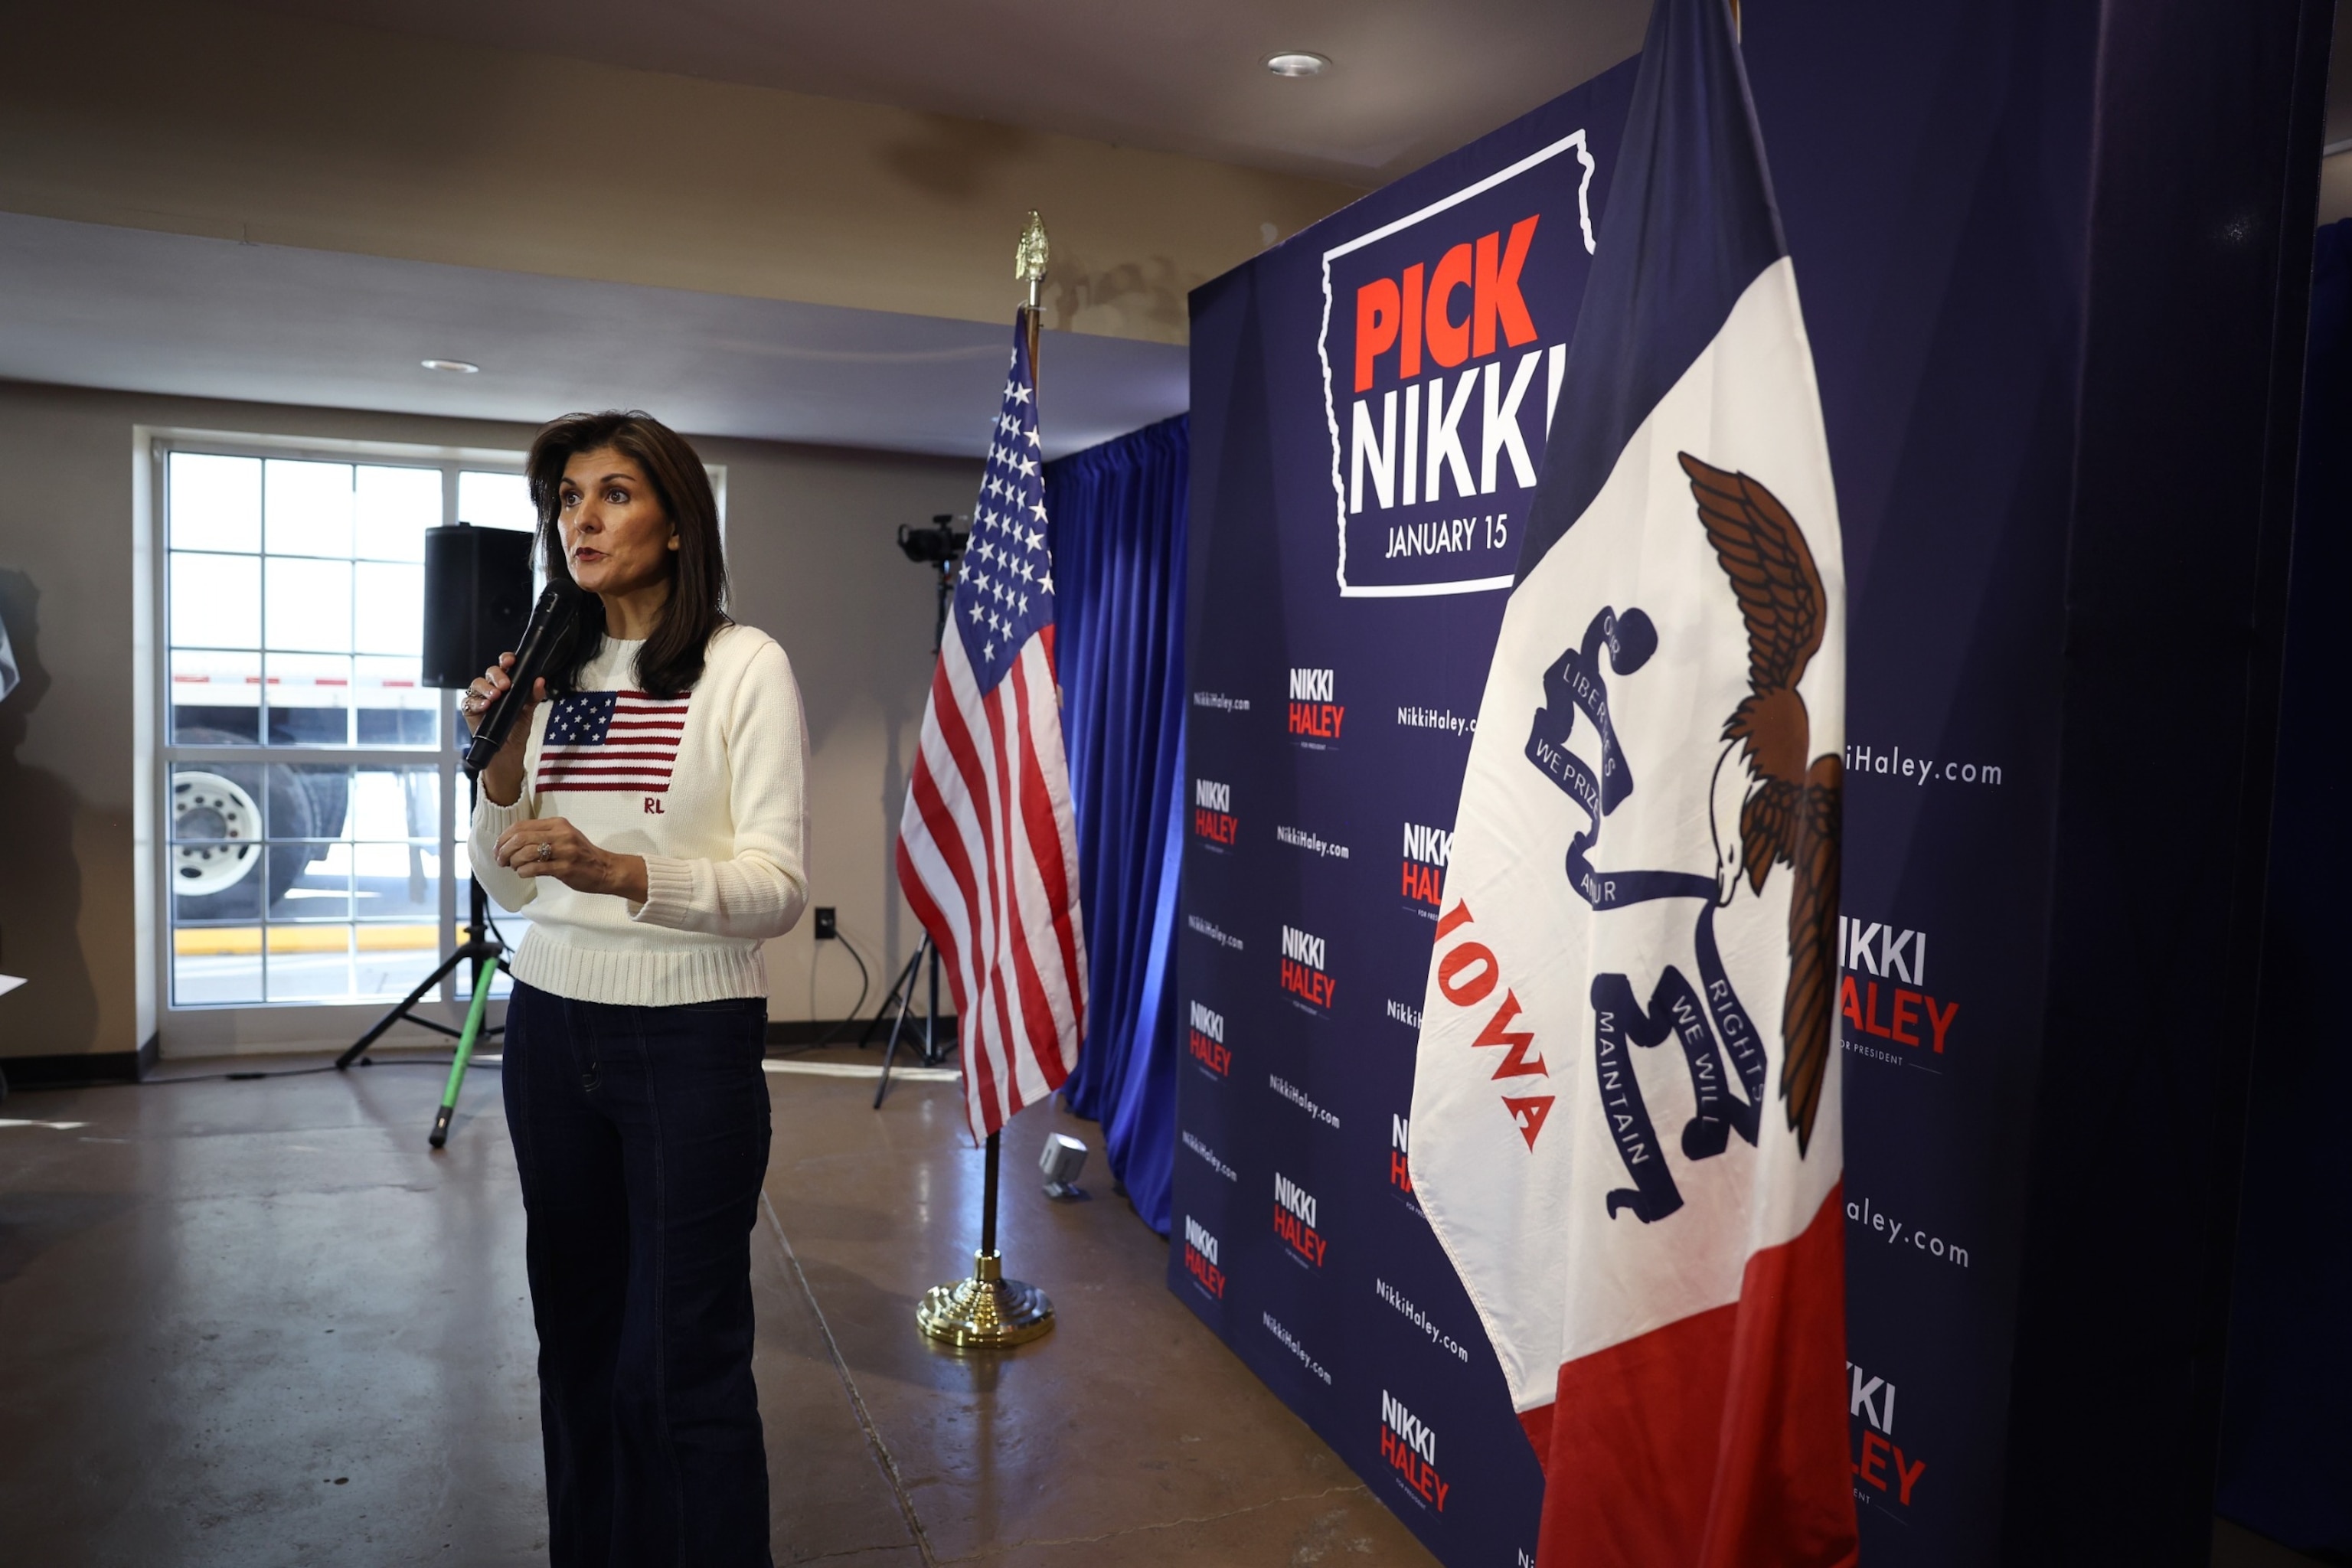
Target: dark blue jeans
[[641, 1134]]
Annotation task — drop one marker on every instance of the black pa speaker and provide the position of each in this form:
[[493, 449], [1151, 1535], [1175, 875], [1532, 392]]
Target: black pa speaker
[[477, 600]]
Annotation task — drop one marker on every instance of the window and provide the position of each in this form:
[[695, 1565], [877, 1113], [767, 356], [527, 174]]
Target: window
[[309, 800]]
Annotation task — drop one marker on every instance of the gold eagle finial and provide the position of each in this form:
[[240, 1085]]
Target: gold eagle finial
[[1029, 257]]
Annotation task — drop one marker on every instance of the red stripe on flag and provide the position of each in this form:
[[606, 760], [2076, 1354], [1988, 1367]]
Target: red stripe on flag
[[1718, 1441], [1046, 850], [1044, 846], [1036, 1013], [929, 823], [981, 913], [603, 754], [927, 913], [628, 762], [1032, 806], [1006, 906], [941, 831], [988, 907]]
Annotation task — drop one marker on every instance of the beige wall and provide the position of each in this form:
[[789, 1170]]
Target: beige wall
[[2335, 188], [811, 547], [813, 553], [202, 119]]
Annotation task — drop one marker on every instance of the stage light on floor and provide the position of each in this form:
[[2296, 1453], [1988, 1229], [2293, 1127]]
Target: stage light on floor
[[1061, 1160], [1298, 63]]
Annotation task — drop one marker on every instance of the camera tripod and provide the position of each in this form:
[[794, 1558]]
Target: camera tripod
[[940, 547], [936, 1047]]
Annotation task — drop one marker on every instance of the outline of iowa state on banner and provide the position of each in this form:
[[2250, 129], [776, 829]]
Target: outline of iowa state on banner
[[1406, 441]]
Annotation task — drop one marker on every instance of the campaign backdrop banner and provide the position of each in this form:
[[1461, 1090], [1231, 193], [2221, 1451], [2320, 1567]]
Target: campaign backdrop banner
[[1371, 401]]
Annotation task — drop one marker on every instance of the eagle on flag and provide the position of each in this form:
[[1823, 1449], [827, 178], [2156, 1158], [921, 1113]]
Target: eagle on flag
[[1771, 808]]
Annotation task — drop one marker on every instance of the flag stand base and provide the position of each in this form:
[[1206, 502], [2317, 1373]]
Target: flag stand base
[[987, 1311]]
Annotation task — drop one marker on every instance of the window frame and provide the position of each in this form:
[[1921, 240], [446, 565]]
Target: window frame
[[308, 1016], [212, 1028]]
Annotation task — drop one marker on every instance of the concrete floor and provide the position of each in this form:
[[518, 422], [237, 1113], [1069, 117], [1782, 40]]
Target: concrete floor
[[259, 1323]]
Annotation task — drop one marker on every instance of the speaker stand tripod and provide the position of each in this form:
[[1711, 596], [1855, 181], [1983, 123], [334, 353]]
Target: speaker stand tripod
[[486, 954]]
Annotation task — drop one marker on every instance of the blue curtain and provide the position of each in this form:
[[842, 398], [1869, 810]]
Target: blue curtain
[[1116, 519]]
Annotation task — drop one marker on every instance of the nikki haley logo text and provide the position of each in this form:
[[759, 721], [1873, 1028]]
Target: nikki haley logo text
[[1884, 995], [1409, 1446], [1315, 715], [1444, 339], [1204, 1041], [1879, 1462], [1294, 1220], [1213, 813], [1201, 1259], [1305, 973], [1425, 850], [1401, 1156]]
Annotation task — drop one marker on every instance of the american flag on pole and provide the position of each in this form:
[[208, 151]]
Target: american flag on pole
[[987, 846], [611, 740]]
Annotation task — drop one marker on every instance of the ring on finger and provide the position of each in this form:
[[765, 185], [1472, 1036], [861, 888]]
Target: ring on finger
[[546, 850]]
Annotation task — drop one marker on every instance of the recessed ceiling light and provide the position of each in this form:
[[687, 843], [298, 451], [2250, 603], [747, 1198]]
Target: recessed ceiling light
[[454, 366], [1297, 62]]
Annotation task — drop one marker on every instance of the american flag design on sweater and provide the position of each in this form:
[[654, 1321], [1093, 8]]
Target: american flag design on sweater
[[611, 740]]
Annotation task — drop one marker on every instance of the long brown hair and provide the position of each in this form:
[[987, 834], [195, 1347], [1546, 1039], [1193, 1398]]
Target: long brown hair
[[671, 661]]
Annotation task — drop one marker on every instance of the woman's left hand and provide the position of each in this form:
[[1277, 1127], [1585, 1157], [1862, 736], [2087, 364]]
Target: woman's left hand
[[551, 846]]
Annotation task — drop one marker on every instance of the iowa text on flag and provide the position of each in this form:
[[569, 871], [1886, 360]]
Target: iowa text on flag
[[987, 848], [1626, 1115]]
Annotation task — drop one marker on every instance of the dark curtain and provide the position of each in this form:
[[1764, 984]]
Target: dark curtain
[[1116, 519], [2286, 1458]]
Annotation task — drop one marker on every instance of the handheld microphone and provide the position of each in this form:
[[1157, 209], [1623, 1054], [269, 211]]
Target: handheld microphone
[[541, 638]]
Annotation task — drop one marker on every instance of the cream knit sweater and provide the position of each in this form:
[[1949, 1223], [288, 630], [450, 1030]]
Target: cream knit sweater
[[722, 834]]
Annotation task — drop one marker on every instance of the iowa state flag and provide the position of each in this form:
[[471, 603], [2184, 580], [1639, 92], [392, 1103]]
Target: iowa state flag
[[1626, 1110]]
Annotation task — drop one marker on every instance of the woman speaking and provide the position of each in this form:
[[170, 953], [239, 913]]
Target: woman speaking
[[648, 814]]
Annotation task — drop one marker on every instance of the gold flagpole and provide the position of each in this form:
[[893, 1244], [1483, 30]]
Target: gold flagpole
[[988, 1311], [1029, 267]]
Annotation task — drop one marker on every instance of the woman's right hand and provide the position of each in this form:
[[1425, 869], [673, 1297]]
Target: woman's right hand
[[502, 780]]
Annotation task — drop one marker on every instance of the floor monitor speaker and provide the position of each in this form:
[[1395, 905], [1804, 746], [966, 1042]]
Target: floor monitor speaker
[[477, 596]]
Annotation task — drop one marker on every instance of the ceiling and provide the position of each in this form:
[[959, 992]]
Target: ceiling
[[159, 312], [133, 310], [1409, 79], [92, 305]]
